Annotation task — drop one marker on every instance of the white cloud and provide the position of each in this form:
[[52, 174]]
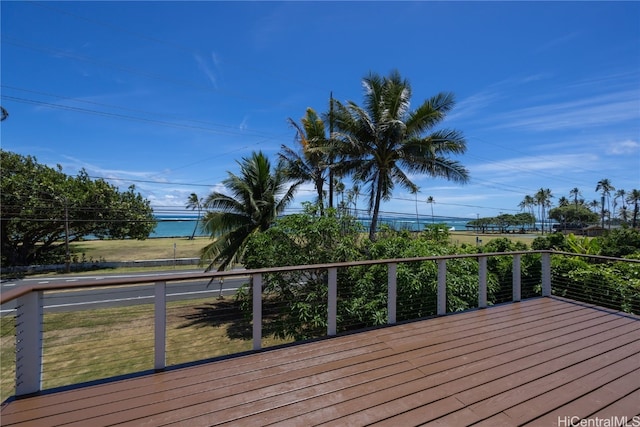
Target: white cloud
[[204, 67], [534, 164], [623, 147], [586, 112]]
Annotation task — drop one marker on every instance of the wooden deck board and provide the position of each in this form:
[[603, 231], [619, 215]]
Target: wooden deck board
[[528, 362]]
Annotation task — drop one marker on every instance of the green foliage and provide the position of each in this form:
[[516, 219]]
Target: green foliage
[[620, 242], [612, 285], [39, 204], [501, 267], [256, 197], [438, 233], [555, 241], [583, 245], [297, 301], [573, 215], [300, 298]]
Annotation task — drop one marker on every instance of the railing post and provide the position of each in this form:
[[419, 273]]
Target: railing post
[[482, 282], [257, 311], [29, 343], [517, 278], [546, 274], [160, 329], [442, 287], [332, 307], [392, 292]]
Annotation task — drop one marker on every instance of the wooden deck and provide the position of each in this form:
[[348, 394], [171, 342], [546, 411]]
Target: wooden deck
[[539, 362]]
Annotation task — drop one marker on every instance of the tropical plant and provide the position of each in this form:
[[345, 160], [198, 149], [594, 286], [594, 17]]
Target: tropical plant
[[620, 194], [310, 163], [257, 196], [528, 203], [193, 203], [605, 187], [634, 199], [384, 139], [543, 200]]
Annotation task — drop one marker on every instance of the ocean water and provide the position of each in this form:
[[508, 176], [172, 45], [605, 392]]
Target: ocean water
[[183, 226]]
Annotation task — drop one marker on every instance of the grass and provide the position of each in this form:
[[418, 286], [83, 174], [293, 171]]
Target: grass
[[467, 237], [94, 344], [163, 248], [133, 250]]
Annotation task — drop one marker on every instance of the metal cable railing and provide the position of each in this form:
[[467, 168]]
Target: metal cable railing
[[86, 331]]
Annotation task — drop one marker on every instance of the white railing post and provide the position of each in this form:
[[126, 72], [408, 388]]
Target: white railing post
[[442, 287], [517, 278], [332, 307], [546, 274], [392, 292], [482, 282], [29, 343], [160, 329], [257, 311]]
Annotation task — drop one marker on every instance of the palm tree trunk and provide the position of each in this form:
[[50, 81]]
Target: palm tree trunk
[[376, 210]]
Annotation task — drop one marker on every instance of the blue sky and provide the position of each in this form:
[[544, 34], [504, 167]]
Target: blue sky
[[169, 95]]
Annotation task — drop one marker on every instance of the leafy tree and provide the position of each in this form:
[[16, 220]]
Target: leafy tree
[[310, 163], [620, 242], [257, 197], [43, 209], [385, 138], [573, 216], [193, 203], [296, 302]]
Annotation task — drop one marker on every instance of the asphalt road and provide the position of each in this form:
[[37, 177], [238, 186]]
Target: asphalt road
[[122, 296]]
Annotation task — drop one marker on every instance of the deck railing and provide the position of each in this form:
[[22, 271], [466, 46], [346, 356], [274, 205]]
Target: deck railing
[[34, 329]]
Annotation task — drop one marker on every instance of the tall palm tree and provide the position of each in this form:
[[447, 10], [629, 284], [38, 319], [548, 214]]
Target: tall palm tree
[[543, 200], [575, 193], [384, 138], [605, 187], [620, 194], [634, 199], [256, 197], [309, 164], [193, 203], [352, 196], [431, 201], [528, 202]]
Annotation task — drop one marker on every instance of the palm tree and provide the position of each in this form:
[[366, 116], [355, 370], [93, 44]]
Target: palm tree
[[431, 201], [193, 203], [634, 199], [620, 194], [528, 203], [352, 196], [543, 200], [257, 196], [385, 138], [309, 164], [604, 185]]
